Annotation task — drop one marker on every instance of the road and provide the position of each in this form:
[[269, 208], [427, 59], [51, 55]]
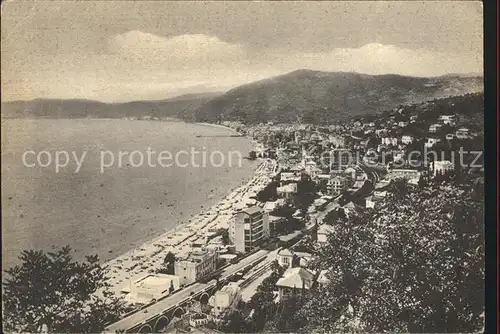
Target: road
[[159, 307]]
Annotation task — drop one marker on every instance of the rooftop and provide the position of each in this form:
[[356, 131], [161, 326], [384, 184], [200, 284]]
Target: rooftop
[[252, 210], [296, 278]]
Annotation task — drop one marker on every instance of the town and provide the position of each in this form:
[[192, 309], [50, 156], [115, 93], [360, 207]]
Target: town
[[259, 247]]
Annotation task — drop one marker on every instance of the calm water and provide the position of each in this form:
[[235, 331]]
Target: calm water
[[111, 212]]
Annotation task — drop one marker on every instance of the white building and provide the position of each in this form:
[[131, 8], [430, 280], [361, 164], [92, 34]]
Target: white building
[[293, 281], [323, 279], [435, 128], [431, 142], [390, 141], [248, 229], [442, 166], [287, 191], [226, 298], [462, 133], [285, 258], [195, 265], [448, 119], [336, 185], [289, 176], [407, 139], [150, 287], [410, 175], [323, 233]]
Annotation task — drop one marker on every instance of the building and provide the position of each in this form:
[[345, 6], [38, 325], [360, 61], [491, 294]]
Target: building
[[410, 175], [390, 141], [285, 258], [248, 229], [431, 142], [442, 167], [323, 279], [407, 139], [435, 128], [150, 287], [274, 223], [293, 281], [195, 266], [226, 298], [448, 119], [336, 185], [287, 191], [462, 133], [289, 176], [340, 158], [323, 233]]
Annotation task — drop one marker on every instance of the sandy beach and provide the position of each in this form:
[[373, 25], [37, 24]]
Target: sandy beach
[[149, 257]]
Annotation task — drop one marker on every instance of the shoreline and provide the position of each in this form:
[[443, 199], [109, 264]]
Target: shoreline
[[126, 267], [199, 214]]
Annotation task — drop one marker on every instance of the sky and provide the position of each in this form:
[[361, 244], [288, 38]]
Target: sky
[[124, 50]]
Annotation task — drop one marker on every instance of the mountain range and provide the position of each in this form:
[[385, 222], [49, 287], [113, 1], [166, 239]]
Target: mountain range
[[301, 96]]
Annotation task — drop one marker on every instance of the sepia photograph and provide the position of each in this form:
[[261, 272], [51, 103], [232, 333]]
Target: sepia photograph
[[242, 167]]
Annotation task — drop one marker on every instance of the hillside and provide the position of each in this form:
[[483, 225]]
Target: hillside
[[181, 107], [317, 97]]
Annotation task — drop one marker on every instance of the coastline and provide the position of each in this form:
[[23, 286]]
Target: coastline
[[157, 214], [142, 259]]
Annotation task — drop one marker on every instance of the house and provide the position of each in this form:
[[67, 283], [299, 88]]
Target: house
[[435, 128], [390, 141], [226, 298], [287, 191], [442, 167], [462, 133], [407, 139], [248, 228], [336, 185], [448, 119], [369, 202], [289, 176], [410, 175], [377, 195], [293, 281], [285, 258], [402, 124], [450, 136], [431, 142], [323, 279], [323, 233], [195, 265], [380, 132]]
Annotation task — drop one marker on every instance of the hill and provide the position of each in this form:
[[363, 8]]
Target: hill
[[318, 97], [180, 107]]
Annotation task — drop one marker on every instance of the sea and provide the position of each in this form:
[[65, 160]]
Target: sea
[[81, 182]]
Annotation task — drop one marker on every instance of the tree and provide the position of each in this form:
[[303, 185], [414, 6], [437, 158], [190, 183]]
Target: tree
[[172, 288], [50, 289], [252, 155], [416, 265], [169, 258], [235, 322]]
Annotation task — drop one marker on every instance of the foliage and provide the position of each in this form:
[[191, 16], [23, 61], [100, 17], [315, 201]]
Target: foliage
[[416, 265], [53, 290]]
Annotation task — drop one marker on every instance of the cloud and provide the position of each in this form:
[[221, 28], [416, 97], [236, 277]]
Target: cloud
[[180, 50], [137, 65], [376, 58]]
